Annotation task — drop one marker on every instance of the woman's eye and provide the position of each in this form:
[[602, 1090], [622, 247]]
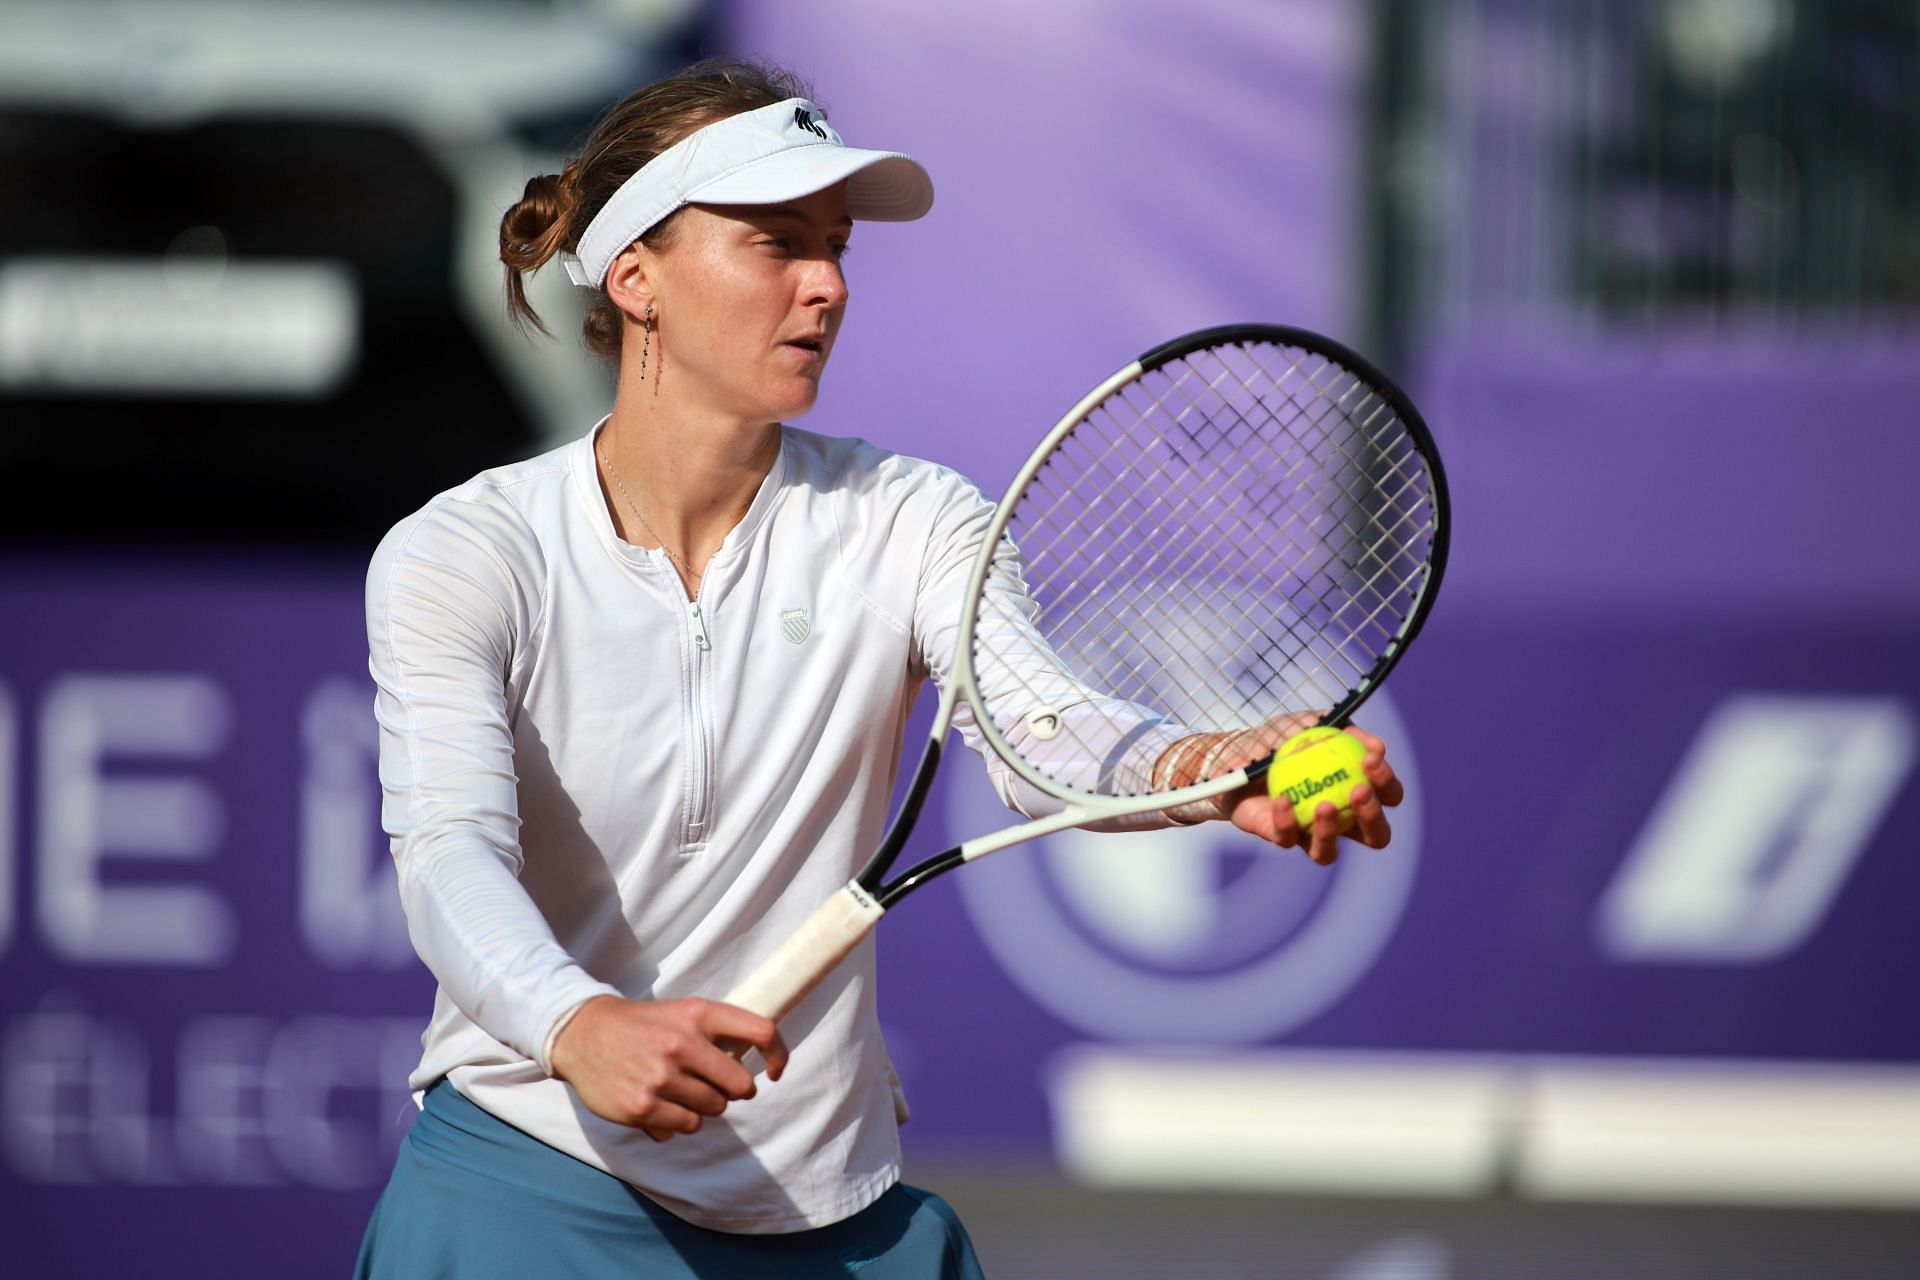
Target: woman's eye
[[840, 251]]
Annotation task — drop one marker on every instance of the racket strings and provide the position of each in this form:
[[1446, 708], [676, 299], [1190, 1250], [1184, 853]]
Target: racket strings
[[1129, 475], [1372, 437], [1187, 636], [1084, 622], [1371, 475], [1242, 533], [1301, 545], [1118, 441], [1366, 431]]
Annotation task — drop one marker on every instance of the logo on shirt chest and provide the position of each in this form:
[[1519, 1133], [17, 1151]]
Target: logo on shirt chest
[[794, 625]]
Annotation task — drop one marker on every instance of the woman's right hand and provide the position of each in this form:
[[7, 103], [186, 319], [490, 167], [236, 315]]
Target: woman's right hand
[[658, 1065]]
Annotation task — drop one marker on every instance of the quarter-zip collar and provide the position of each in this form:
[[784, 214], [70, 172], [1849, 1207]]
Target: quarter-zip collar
[[584, 471]]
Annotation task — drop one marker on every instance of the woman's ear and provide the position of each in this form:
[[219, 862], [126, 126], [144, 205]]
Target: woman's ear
[[629, 286]]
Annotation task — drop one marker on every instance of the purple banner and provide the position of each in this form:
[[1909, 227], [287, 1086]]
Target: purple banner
[[208, 981]]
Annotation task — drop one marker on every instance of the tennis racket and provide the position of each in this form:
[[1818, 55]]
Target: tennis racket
[[1245, 524]]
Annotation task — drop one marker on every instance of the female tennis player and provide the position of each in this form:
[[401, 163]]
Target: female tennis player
[[641, 701]]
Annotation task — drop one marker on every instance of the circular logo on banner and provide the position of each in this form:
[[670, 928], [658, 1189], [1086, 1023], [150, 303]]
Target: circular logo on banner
[[1190, 935]]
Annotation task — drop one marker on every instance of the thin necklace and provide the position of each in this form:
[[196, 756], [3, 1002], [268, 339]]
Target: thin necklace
[[607, 458]]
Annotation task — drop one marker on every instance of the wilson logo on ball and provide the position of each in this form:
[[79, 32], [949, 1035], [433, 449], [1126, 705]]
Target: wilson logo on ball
[[1311, 787]]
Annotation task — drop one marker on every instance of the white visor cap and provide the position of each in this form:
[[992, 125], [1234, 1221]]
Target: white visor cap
[[765, 156]]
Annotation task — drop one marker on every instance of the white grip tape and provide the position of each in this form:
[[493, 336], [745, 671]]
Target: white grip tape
[[809, 954]]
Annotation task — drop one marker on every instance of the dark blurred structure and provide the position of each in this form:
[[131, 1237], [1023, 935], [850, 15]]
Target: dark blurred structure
[[1767, 162], [244, 291], [245, 440], [1647, 166]]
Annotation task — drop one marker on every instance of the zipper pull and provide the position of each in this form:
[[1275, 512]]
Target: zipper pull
[[699, 625]]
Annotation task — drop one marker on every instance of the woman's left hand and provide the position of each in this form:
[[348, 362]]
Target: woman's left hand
[[1209, 755], [1254, 811]]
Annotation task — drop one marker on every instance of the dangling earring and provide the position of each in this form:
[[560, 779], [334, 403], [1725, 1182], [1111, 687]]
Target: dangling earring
[[646, 346]]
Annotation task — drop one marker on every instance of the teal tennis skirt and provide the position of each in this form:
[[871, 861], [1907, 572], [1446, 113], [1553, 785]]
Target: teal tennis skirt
[[473, 1197]]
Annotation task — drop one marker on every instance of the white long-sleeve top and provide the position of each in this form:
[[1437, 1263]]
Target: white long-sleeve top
[[595, 786]]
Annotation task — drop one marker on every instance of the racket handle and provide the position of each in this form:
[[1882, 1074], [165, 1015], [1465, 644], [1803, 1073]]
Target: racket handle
[[809, 954]]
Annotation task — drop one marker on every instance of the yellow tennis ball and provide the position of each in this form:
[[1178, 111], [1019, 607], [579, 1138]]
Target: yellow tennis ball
[[1318, 766]]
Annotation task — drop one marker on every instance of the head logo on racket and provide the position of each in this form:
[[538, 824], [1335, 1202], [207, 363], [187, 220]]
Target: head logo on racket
[[1044, 722]]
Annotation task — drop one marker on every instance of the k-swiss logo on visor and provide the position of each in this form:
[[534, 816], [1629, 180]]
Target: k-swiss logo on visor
[[802, 118], [794, 625]]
